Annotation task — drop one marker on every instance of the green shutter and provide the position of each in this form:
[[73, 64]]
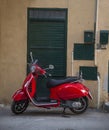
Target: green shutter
[[88, 72], [83, 51], [88, 36], [104, 37], [48, 45]]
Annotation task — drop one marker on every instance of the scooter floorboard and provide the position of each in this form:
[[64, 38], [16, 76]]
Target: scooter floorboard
[[44, 100]]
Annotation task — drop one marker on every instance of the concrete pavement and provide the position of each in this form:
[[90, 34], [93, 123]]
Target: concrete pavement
[[43, 119]]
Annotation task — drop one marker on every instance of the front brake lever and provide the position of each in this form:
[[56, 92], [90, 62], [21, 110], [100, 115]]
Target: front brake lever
[[35, 61], [31, 55]]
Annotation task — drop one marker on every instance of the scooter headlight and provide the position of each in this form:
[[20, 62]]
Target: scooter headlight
[[32, 69]]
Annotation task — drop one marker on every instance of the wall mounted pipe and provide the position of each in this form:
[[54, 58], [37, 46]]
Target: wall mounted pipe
[[99, 91], [96, 40]]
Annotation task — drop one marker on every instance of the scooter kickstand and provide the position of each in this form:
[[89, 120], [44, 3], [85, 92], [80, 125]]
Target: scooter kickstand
[[63, 112]]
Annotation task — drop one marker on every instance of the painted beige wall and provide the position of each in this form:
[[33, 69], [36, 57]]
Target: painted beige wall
[[102, 55], [13, 39], [80, 17], [0, 28], [0, 36], [13, 46]]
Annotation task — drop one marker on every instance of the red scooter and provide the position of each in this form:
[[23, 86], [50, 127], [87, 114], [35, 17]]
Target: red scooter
[[67, 93]]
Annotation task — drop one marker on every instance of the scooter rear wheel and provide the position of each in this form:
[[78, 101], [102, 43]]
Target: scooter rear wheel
[[19, 107], [84, 104]]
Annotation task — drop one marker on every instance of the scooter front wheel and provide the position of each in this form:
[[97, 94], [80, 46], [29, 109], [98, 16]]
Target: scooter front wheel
[[19, 107], [79, 105]]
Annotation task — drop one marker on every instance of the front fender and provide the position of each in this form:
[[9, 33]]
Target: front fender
[[90, 95], [19, 95]]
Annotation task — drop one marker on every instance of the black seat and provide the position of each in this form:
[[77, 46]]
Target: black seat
[[54, 82]]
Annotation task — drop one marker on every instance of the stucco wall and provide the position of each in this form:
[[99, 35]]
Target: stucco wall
[[81, 18], [13, 46], [102, 55], [13, 39], [0, 27]]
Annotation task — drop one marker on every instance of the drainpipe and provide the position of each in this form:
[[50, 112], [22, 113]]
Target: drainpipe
[[96, 41], [99, 90], [96, 28]]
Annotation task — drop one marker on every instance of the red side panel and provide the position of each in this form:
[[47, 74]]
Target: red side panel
[[68, 91]]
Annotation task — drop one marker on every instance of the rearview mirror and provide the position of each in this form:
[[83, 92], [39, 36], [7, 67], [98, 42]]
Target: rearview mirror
[[51, 67]]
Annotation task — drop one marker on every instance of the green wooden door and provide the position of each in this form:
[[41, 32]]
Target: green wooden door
[[47, 39]]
